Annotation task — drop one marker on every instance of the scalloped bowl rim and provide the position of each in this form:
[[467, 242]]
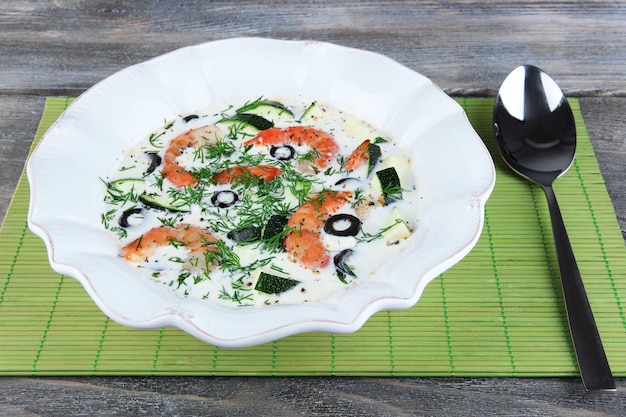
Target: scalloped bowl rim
[[454, 170]]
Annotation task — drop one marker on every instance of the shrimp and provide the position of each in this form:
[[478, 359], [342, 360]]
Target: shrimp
[[304, 241], [191, 139], [358, 157], [324, 146], [239, 172], [194, 238]]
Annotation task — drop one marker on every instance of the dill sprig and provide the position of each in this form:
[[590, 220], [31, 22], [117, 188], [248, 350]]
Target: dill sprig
[[210, 153], [153, 139], [393, 191], [238, 296], [115, 196], [249, 105], [107, 217], [372, 237]]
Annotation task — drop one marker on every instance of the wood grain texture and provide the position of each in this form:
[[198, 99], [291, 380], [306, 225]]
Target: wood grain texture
[[605, 119], [19, 118], [467, 47], [67, 46], [288, 397]]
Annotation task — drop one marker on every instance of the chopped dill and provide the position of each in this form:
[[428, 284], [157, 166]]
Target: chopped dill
[[359, 197], [177, 243], [372, 237], [237, 296], [107, 217], [249, 105], [168, 221], [115, 195], [214, 152], [393, 191], [263, 206], [120, 231], [154, 137]]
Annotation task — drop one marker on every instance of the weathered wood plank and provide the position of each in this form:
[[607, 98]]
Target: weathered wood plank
[[19, 118], [67, 46], [346, 397], [605, 119]]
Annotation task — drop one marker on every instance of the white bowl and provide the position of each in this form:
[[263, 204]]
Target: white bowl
[[455, 176]]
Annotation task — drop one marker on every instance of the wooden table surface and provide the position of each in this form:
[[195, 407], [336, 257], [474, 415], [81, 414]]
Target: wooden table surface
[[467, 47]]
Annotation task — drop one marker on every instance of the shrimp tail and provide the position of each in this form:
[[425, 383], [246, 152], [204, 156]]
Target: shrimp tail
[[358, 157]]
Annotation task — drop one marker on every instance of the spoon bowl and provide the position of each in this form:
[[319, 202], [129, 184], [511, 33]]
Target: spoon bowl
[[540, 139], [536, 136]]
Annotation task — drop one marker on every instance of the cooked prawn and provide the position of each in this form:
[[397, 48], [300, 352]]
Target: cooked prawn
[[358, 157], [194, 238], [191, 139], [322, 144], [239, 172], [304, 241]]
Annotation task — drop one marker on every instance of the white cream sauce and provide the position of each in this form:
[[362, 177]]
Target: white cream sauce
[[171, 265]]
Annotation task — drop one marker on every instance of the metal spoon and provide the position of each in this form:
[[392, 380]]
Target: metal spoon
[[536, 135]]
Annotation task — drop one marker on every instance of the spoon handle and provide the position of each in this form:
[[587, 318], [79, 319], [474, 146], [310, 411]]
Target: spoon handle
[[592, 362]]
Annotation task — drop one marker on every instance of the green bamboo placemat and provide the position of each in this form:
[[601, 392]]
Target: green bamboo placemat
[[496, 313]]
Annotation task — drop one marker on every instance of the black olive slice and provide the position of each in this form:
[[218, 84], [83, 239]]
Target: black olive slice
[[131, 217], [155, 161], [224, 199], [190, 117], [278, 105], [341, 267], [283, 152], [342, 225], [347, 180]]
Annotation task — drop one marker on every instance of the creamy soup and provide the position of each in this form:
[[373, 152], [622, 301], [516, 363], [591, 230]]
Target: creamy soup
[[263, 202]]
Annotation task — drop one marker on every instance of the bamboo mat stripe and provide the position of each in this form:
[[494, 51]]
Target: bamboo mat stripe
[[497, 313]]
